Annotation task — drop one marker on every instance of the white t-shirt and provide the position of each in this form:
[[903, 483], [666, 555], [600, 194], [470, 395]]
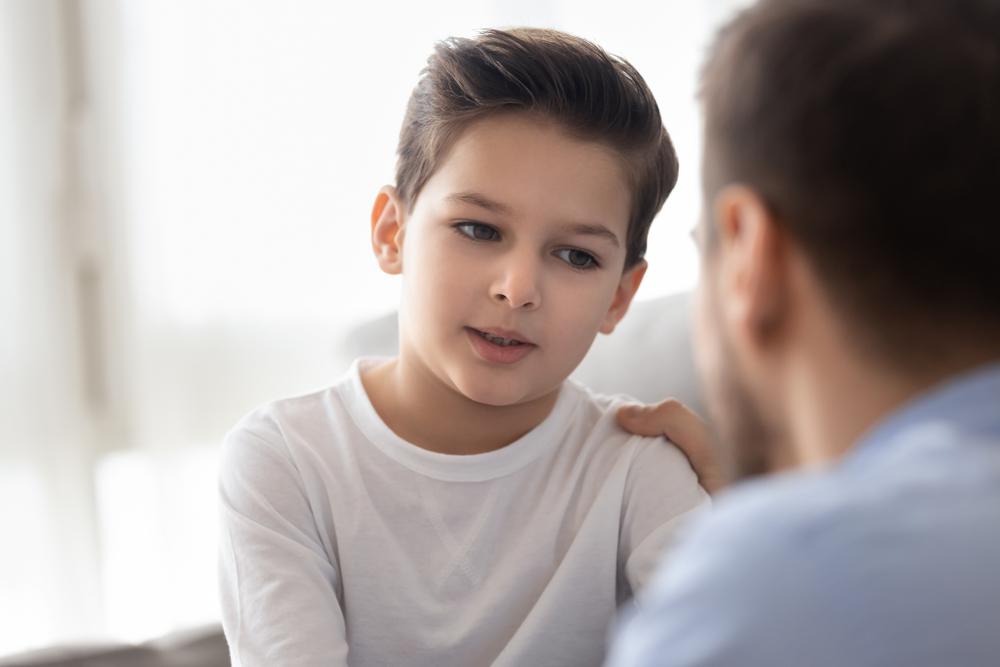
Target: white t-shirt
[[341, 543]]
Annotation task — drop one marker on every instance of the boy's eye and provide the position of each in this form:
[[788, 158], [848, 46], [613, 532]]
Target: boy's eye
[[477, 231], [578, 259]]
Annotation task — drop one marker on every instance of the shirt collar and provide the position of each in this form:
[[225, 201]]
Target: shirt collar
[[969, 401]]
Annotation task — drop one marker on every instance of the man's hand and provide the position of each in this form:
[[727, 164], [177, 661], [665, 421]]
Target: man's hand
[[682, 427]]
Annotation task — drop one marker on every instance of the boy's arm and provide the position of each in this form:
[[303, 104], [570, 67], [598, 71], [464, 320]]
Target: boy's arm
[[278, 583], [661, 492]]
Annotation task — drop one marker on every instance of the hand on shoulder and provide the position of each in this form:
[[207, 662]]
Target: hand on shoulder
[[680, 425]]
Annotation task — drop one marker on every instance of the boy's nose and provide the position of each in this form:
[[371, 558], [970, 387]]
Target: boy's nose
[[518, 287]]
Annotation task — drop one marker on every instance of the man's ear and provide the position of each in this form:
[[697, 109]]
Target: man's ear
[[752, 262], [387, 230], [627, 287]]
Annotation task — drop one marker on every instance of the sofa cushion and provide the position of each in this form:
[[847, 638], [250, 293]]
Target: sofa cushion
[[196, 647]]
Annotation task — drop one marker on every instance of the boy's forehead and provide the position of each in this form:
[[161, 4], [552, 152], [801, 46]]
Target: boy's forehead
[[513, 162], [528, 135]]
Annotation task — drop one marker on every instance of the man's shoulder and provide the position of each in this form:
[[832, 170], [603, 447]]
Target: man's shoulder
[[781, 539], [845, 563], [827, 532], [763, 515], [785, 516]]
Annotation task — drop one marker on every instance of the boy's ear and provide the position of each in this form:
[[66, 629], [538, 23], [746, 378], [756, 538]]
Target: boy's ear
[[387, 230], [627, 287]]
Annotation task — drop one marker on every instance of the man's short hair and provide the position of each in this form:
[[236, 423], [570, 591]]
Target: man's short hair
[[871, 128], [584, 90]]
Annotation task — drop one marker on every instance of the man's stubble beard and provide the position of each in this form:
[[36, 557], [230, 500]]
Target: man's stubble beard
[[738, 424]]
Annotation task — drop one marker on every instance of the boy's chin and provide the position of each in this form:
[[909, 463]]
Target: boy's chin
[[494, 397], [499, 394]]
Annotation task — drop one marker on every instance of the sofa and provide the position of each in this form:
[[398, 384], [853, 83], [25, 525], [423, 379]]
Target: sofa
[[195, 647]]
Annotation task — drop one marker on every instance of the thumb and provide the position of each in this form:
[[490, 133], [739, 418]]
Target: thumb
[[669, 418], [640, 419]]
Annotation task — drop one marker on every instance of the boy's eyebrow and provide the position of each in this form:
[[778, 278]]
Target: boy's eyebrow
[[480, 200], [594, 230]]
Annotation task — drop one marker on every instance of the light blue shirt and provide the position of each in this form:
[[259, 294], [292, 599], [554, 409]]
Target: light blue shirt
[[890, 557]]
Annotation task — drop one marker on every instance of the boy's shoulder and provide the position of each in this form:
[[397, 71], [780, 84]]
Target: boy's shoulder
[[275, 421], [656, 454], [597, 407]]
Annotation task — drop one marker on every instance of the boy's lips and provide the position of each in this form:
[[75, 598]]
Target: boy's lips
[[499, 346], [506, 334]]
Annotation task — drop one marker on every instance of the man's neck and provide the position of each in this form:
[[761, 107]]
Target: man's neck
[[420, 408], [834, 401]]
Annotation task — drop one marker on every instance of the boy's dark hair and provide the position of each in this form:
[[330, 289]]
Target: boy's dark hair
[[593, 95], [871, 128]]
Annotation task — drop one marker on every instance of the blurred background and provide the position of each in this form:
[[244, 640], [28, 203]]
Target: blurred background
[[184, 198]]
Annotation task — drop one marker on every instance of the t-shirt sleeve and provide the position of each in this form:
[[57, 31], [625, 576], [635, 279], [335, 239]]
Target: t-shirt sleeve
[[279, 584], [661, 494]]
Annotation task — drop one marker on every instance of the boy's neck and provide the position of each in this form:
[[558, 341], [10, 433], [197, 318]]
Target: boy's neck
[[422, 410]]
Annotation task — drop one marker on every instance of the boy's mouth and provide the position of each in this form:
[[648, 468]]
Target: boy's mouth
[[499, 346], [501, 338]]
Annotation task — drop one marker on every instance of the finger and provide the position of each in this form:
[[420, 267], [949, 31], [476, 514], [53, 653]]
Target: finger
[[640, 420], [664, 418]]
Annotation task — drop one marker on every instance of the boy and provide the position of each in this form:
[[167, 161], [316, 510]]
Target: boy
[[463, 503]]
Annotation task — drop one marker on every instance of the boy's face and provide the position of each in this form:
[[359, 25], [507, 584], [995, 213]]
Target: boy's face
[[512, 258]]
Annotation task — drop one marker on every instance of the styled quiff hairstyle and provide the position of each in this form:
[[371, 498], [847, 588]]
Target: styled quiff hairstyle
[[871, 129], [591, 94]]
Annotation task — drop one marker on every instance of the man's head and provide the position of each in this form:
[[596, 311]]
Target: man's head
[[852, 156], [531, 164]]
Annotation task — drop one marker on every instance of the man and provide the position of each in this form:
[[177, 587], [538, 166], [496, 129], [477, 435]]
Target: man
[[848, 335]]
